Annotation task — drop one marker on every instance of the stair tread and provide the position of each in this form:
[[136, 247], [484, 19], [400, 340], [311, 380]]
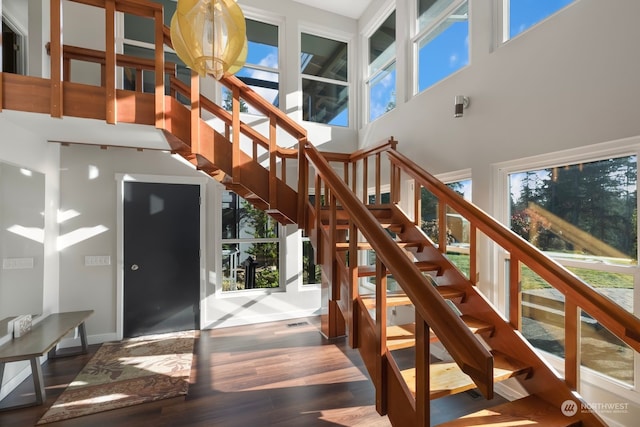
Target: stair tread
[[370, 270], [447, 378], [363, 246], [396, 299], [530, 411], [403, 336]]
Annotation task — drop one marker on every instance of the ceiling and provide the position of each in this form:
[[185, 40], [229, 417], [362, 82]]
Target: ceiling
[[350, 8]]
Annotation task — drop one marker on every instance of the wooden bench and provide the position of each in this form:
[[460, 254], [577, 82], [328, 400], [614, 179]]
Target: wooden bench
[[42, 339]]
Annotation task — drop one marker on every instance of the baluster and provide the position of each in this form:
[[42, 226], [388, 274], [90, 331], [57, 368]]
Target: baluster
[[56, 58], [572, 343], [378, 177], [474, 276], [423, 387], [515, 294], [381, 337], [353, 314], [303, 187], [195, 113], [442, 226], [417, 205], [365, 177], [159, 70], [273, 162]]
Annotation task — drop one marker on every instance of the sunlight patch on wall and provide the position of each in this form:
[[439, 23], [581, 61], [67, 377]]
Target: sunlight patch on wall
[[31, 233], [79, 235]]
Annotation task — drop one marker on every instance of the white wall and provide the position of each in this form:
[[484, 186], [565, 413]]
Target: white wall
[[22, 148]]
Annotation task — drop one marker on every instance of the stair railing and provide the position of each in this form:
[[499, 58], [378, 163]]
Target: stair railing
[[579, 295], [431, 309]]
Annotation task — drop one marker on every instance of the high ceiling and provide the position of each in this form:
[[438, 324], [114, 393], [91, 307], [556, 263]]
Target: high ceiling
[[350, 8]]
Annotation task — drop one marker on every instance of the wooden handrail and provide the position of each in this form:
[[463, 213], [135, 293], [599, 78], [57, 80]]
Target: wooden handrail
[[463, 346], [619, 321]]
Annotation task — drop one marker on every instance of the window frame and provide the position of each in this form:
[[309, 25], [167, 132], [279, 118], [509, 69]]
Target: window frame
[[367, 77], [261, 16], [501, 204], [341, 37], [220, 241], [504, 22], [419, 33]]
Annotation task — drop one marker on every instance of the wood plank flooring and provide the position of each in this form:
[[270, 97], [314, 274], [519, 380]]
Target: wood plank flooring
[[276, 374]]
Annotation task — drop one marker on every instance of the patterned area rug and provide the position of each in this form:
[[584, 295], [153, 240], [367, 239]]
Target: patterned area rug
[[127, 373]]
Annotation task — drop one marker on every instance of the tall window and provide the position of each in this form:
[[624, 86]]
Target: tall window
[[381, 81], [584, 215], [325, 80], [519, 15], [442, 40], [250, 246], [261, 70], [458, 228]]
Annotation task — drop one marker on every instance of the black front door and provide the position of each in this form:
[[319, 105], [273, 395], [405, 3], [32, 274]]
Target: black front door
[[161, 258]]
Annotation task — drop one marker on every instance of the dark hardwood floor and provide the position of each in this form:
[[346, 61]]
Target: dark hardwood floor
[[275, 374]]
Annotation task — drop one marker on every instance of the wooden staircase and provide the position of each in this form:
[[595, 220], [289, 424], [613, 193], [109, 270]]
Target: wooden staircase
[[445, 376], [448, 308]]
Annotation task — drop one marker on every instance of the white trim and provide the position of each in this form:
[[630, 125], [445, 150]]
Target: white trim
[[338, 36], [165, 179]]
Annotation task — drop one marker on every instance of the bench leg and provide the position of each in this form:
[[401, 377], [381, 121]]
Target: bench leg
[[38, 380], [84, 348], [83, 337]]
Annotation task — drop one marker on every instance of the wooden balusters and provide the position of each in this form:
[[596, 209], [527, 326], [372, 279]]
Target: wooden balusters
[[515, 293], [56, 58]]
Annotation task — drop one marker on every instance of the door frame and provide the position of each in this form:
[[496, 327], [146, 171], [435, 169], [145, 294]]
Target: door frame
[[161, 179]]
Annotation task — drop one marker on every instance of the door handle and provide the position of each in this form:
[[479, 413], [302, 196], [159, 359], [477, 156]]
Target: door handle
[[134, 267]]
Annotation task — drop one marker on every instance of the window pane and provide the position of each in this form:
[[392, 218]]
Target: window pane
[[249, 266], [322, 57], [382, 44], [526, 13], [603, 352], [382, 92], [262, 40], [241, 220], [583, 211], [445, 49], [325, 102], [262, 82], [542, 313], [310, 270], [430, 10], [429, 213]]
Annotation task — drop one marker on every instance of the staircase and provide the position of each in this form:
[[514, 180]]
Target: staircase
[[479, 346]]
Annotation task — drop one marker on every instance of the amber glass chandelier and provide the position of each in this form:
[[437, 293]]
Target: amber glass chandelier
[[209, 36]]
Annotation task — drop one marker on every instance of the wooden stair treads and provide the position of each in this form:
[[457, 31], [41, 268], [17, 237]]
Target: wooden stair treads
[[363, 246], [370, 270], [528, 411], [446, 378], [403, 336], [395, 299]]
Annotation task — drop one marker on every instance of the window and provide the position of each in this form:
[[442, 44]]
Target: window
[[261, 69], [458, 230], [584, 216], [442, 40], [381, 81], [520, 15], [310, 270], [250, 246], [325, 88]]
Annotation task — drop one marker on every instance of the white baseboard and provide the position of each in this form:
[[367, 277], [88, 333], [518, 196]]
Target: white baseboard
[[274, 317]]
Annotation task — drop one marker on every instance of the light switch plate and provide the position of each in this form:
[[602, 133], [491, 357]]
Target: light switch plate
[[17, 263], [97, 260]]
